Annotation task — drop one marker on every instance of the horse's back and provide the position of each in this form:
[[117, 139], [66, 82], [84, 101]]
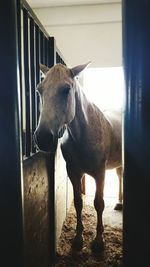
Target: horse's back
[[114, 116]]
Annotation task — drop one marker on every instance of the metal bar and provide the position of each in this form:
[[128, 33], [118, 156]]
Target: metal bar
[[11, 183], [57, 58], [136, 44], [33, 78], [20, 44], [46, 51], [27, 82], [41, 48], [51, 52], [23, 98], [37, 69], [43, 40], [51, 60]]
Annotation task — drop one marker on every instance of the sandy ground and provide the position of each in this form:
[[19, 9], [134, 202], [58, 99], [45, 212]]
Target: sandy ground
[[112, 255]]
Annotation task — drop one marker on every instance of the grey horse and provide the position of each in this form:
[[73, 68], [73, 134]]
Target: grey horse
[[91, 142]]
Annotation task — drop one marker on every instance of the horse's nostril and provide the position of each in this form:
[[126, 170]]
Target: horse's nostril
[[61, 132], [44, 141]]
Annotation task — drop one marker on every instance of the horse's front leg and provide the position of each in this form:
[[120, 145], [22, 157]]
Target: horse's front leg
[[98, 243], [119, 205], [76, 182]]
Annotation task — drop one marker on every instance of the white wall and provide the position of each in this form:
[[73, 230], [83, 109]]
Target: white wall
[[86, 33]]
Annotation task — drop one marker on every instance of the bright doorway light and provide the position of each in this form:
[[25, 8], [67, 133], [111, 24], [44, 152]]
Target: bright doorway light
[[104, 87]]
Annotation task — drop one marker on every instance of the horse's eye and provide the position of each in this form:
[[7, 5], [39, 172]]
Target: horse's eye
[[65, 91]]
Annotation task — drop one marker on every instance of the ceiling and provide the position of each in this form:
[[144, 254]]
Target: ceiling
[[49, 3], [84, 30]]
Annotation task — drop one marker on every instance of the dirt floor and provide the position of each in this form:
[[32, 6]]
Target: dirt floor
[[112, 255]]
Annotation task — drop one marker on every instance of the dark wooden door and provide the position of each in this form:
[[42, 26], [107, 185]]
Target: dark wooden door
[[136, 57]]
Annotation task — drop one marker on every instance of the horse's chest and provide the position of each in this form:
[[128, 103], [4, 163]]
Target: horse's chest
[[83, 157]]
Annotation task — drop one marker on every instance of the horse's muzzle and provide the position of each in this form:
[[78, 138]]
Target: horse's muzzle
[[45, 141]]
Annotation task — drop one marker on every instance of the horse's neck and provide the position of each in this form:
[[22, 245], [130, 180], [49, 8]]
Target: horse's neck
[[81, 113], [86, 113], [82, 106]]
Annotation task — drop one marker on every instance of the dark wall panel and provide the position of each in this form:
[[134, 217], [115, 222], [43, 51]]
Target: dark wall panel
[[11, 214], [136, 47]]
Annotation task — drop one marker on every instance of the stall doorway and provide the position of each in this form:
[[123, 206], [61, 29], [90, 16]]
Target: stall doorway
[[105, 88]]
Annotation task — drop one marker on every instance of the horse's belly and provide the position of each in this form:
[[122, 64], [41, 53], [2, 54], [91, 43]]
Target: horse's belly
[[114, 159], [89, 159], [81, 162]]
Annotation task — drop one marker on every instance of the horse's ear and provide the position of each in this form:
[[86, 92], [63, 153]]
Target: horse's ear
[[44, 68], [76, 70]]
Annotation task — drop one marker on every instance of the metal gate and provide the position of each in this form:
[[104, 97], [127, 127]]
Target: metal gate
[[24, 44]]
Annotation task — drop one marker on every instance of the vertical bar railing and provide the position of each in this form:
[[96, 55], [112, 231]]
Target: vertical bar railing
[[37, 47], [51, 52], [33, 80], [46, 51], [21, 77], [41, 47], [28, 119], [37, 70], [22, 49]]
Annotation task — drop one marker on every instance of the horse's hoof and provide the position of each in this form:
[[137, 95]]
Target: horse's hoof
[[77, 243], [118, 206], [97, 246]]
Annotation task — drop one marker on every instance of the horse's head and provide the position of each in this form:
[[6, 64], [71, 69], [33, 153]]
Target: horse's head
[[57, 93]]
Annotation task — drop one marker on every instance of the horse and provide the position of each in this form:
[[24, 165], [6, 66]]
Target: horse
[[90, 143]]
